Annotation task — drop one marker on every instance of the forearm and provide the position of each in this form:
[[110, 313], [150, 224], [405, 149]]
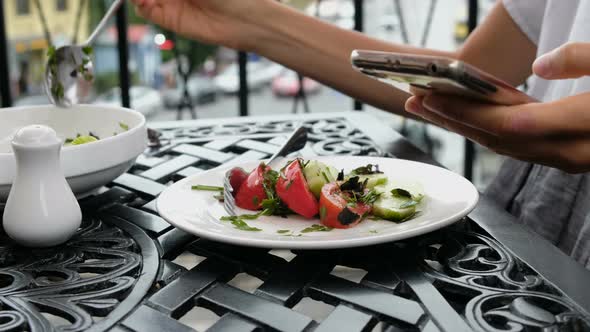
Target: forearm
[[499, 47], [322, 51]]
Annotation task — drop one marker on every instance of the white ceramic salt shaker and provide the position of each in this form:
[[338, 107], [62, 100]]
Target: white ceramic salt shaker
[[41, 210]]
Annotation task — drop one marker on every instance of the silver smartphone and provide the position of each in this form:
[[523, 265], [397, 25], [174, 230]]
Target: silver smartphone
[[436, 74]]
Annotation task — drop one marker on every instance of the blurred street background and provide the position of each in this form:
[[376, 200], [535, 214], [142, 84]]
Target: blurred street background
[[164, 67]]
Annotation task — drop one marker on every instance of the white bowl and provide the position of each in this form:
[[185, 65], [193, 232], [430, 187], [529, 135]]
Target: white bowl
[[89, 166]]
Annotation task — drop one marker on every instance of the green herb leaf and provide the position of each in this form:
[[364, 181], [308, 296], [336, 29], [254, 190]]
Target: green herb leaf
[[255, 200], [366, 170], [87, 50], [249, 216], [398, 192], [123, 126], [373, 231], [316, 228], [243, 226], [322, 212], [370, 197], [283, 231], [51, 52], [206, 188], [272, 203]]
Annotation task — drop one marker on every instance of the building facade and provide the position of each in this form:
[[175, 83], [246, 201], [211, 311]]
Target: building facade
[[26, 36]]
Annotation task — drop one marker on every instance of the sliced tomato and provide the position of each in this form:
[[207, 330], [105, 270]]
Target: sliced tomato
[[335, 211], [251, 192], [294, 191], [237, 176]]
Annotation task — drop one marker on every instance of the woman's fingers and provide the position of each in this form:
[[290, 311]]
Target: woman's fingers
[[571, 60], [568, 148]]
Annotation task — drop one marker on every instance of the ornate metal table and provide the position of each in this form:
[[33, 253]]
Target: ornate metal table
[[128, 270]]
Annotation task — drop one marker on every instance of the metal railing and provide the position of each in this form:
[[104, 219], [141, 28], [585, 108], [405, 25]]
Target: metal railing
[[243, 94]]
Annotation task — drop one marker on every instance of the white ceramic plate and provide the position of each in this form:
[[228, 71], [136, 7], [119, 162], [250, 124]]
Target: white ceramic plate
[[88, 166], [449, 197]]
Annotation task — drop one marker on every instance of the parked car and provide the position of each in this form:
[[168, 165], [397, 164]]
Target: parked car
[[201, 90], [260, 73], [287, 84], [144, 99]]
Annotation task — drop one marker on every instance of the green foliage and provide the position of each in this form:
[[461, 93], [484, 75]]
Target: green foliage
[[105, 81]]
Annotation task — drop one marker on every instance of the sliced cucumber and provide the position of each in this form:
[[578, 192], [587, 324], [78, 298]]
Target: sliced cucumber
[[414, 188], [317, 174], [394, 208], [397, 207], [373, 180]]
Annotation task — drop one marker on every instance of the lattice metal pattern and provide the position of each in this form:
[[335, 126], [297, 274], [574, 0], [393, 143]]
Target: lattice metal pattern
[[457, 279]]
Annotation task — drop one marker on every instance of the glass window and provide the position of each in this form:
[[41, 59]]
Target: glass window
[[22, 7], [61, 5]]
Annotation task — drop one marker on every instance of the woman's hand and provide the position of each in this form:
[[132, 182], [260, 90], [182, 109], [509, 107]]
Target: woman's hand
[[232, 23], [555, 134]]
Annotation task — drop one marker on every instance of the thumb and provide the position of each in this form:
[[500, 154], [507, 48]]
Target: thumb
[[571, 60]]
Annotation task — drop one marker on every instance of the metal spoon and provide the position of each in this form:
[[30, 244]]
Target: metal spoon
[[62, 74]]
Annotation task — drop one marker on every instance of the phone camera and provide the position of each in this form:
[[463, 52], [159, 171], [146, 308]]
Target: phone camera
[[432, 68]]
